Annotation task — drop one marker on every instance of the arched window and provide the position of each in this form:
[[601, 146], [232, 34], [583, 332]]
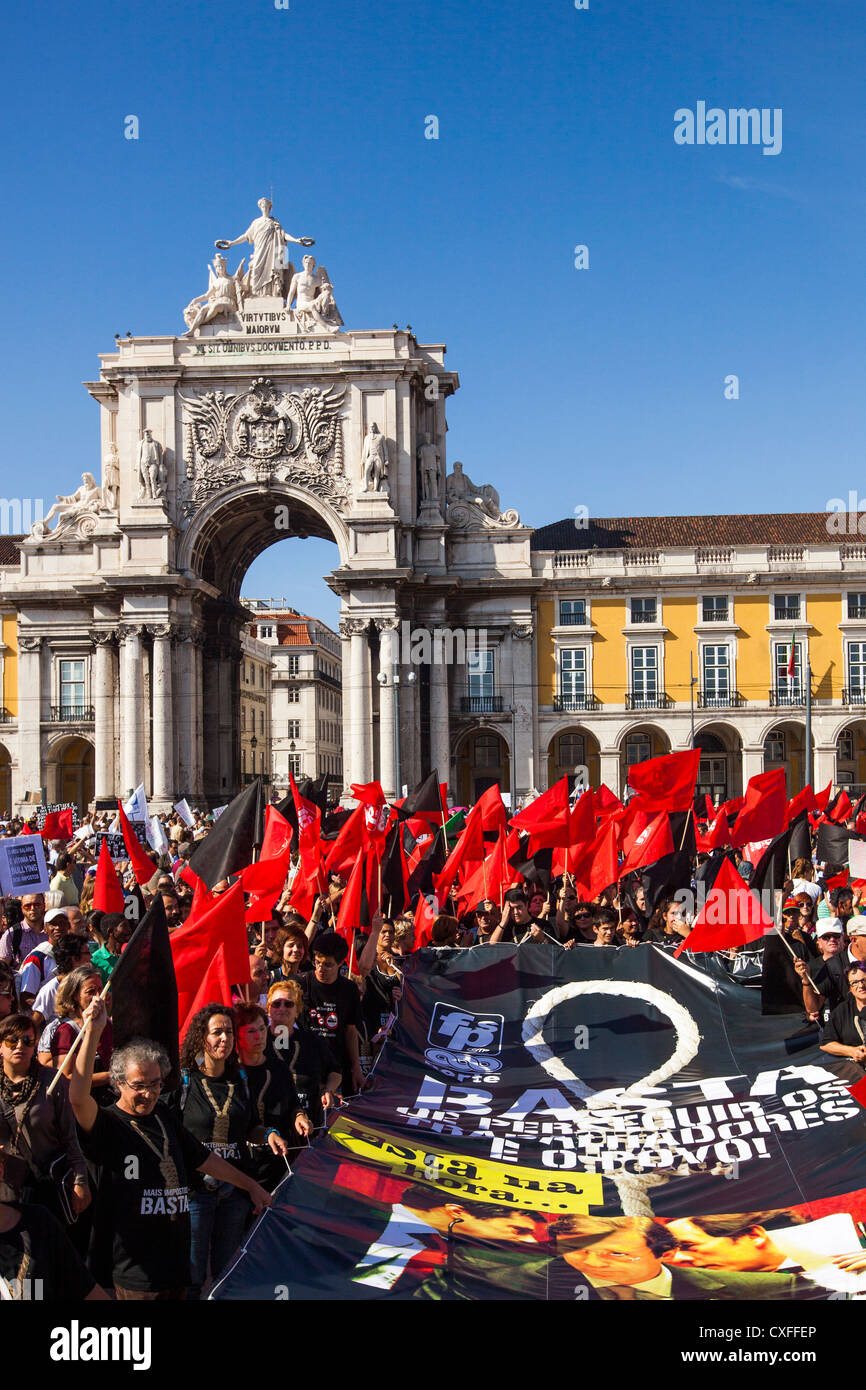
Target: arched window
[[638, 749]]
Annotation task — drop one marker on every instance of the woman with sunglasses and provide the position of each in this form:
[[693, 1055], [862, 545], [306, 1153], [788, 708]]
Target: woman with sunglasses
[[36, 1127], [273, 1094], [314, 1070]]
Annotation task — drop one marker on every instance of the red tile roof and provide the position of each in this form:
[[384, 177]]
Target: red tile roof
[[9, 552], [659, 532]]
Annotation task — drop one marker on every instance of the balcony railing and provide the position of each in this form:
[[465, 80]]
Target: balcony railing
[[788, 698], [572, 620], [644, 617], [66, 714], [854, 697], [481, 704], [715, 615], [856, 610], [732, 699], [658, 700], [786, 615], [566, 704]]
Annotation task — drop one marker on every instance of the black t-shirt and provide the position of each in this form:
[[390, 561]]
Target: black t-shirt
[[377, 1002], [310, 1060], [275, 1104], [141, 1220], [841, 1027], [200, 1118], [329, 1010], [54, 1269]]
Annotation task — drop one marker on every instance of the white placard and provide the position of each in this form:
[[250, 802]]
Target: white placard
[[857, 858], [22, 865], [182, 808], [157, 836], [136, 806], [218, 810]]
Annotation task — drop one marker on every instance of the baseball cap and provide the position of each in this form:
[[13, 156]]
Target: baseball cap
[[831, 928], [790, 905], [856, 926], [55, 912]]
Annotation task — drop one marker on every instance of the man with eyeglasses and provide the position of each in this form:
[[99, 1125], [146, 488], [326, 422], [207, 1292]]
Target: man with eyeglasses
[[19, 940], [141, 1217], [845, 1031]]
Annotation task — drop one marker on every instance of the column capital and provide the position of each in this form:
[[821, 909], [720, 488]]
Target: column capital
[[521, 631], [387, 624], [103, 636], [131, 632], [186, 632], [353, 627], [29, 644], [160, 630]]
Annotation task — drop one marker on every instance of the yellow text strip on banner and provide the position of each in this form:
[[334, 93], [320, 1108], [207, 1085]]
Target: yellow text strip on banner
[[531, 1189]]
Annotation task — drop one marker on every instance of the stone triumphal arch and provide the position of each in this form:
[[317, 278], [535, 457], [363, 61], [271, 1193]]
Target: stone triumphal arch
[[266, 418]]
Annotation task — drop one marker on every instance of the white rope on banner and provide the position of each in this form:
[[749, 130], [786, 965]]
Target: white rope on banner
[[633, 1188]]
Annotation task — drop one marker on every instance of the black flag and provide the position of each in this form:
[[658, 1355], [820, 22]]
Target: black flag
[[426, 798], [772, 868], [708, 872], [433, 862], [393, 888], [833, 843], [229, 846], [666, 875], [535, 870], [144, 989], [800, 846]]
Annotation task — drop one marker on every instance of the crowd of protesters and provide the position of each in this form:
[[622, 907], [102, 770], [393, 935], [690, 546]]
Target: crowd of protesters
[[113, 1186]]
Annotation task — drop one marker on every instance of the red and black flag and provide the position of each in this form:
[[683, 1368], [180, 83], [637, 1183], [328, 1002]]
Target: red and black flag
[[144, 989], [231, 844]]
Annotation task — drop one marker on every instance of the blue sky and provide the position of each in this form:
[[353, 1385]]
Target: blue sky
[[602, 387]]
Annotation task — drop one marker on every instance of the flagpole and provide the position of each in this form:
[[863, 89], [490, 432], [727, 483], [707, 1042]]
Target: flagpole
[[808, 722]]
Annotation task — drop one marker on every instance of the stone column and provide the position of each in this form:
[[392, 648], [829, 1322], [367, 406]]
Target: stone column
[[522, 721], [188, 723], [824, 770], [440, 733], [753, 761], [388, 652], [134, 710], [163, 714], [105, 780], [609, 770], [358, 762], [30, 773]]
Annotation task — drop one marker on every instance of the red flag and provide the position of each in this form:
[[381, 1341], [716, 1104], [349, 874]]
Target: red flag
[[652, 844], [491, 809], [635, 820], [858, 1091], [142, 865], [426, 912], [376, 812], [718, 835], [821, 798], [215, 988], [194, 944], [58, 826], [468, 851], [351, 837], [308, 882], [803, 801], [107, 890], [577, 833], [731, 915], [491, 879], [277, 839], [711, 810], [605, 801], [841, 809], [792, 660], [352, 902], [763, 813], [597, 868], [266, 878], [666, 783], [550, 809], [837, 881]]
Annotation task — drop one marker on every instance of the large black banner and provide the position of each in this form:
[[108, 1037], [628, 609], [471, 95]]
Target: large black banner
[[587, 1124]]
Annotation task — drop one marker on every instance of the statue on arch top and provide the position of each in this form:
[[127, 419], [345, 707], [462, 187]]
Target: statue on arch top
[[268, 262], [79, 512], [313, 293], [224, 295]]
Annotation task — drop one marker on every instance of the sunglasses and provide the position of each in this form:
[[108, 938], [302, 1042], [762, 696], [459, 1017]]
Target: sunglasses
[[12, 1043], [283, 1004]]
